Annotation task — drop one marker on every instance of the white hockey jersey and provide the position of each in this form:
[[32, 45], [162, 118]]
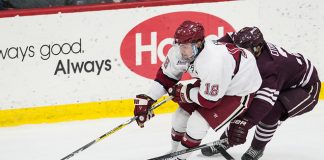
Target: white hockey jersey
[[223, 69]]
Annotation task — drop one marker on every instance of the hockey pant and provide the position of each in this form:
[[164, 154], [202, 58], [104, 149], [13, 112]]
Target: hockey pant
[[191, 122], [290, 103]]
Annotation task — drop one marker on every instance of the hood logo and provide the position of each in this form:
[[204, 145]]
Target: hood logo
[[145, 47]]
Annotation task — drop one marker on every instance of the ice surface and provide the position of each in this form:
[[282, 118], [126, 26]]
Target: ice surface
[[299, 138]]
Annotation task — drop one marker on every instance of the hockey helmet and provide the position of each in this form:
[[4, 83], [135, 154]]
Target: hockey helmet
[[189, 32], [249, 38]]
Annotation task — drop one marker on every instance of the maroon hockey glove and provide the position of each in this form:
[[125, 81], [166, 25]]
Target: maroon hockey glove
[[180, 93], [238, 130], [143, 105]]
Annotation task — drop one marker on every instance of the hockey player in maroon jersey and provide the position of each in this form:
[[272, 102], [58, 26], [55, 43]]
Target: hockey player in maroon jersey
[[227, 78], [290, 87]]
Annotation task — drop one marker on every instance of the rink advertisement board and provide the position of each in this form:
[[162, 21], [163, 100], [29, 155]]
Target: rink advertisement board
[[85, 65], [153, 39]]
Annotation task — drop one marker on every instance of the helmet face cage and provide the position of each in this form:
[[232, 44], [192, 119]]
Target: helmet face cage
[[249, 38], [193, 49]]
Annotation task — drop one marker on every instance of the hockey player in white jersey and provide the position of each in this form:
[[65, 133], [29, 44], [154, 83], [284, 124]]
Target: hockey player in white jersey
[[226, 78]]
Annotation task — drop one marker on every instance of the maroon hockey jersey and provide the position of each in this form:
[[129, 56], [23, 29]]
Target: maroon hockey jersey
[[280, 71]]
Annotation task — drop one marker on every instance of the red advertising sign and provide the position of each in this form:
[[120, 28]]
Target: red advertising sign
[[145, 46]]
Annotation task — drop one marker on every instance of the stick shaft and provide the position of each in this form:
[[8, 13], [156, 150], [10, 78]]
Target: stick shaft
[[174, 154], [113, 130]]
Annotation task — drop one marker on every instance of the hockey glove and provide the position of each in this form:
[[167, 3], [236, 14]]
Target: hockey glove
[[143, 105], [180, 93], [238, 130]]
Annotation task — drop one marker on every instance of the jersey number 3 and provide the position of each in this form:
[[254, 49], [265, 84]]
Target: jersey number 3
[[211, 90]]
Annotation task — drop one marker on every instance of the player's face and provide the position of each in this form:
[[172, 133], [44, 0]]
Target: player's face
[[256, 51], [187, 52]]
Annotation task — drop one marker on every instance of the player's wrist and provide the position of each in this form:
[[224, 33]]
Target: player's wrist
[[186, 92]]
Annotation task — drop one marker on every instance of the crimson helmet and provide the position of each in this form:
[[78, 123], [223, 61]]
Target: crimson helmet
[[189, 32], [249, 37]]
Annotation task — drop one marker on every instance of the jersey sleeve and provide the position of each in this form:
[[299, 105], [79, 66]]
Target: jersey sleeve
[[269, 91], [169, 74], [173, 66], [265, 98]]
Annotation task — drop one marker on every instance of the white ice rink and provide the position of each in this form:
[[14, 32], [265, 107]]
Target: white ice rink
[[301, 138]]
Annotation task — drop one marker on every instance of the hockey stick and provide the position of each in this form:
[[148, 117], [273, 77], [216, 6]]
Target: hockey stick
[[224, 153], [215, 143], [114, 130]]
